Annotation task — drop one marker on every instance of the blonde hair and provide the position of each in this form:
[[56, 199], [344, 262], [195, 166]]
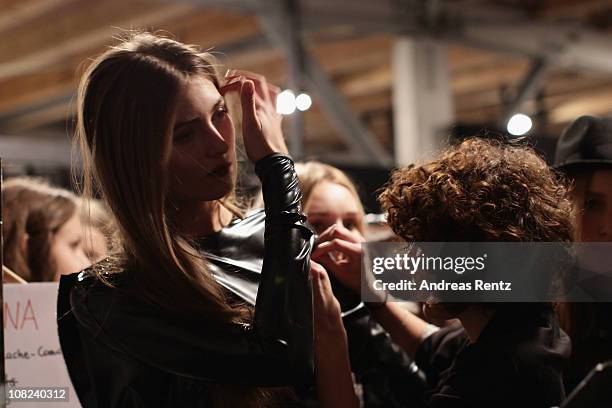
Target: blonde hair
[[99, 217], [95, 216], [312, 173]]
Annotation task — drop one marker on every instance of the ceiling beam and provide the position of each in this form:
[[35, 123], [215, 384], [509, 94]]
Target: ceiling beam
[[25, 11], [527, 88], [355, 134], [78, 44], [489, 27]]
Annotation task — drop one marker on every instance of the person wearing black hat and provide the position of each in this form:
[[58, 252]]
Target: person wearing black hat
[[584, 155]]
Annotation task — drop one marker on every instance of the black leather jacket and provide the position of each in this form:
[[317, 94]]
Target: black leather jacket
[[236, 254], [122, 351], [388, 377]]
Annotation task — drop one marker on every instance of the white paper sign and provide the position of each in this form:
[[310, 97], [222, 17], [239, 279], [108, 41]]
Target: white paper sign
[[33, 356]]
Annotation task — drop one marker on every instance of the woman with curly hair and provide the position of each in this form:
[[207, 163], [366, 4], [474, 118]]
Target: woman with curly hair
[[501, 355]]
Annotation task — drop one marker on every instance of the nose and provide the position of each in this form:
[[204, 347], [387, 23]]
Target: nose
[[216, 143]]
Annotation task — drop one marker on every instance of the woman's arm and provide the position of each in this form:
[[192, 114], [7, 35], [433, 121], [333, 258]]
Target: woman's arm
[[284, 298], [333, 369]]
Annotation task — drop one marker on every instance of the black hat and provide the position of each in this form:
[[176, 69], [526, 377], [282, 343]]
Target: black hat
[[586, 142]]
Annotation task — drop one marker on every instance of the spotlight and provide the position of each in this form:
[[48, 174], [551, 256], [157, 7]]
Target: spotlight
[[519, 124], [285, 102], [303, 102]]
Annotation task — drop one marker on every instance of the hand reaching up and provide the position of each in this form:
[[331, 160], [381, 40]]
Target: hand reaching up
[[261, 124], [339, 251], [332, 366]]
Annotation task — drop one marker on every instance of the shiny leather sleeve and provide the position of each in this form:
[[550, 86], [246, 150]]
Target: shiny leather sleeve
[[275, 350], [284, 301]]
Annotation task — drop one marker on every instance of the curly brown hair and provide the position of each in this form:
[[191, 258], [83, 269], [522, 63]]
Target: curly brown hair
[[480, 190]]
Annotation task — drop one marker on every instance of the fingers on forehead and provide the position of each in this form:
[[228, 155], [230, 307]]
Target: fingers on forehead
[[238, 72], [230, 87]]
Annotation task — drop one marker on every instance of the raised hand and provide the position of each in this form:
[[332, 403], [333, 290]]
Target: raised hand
[[333, 369], [328, 321], [339, 251], [261, 124]]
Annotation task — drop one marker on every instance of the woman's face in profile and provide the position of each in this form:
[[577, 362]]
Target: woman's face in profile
[[330, 203], [596, 222], [202, 163]]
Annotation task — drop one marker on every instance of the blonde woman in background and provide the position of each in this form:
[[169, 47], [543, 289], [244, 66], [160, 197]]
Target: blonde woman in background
[[329, 198]]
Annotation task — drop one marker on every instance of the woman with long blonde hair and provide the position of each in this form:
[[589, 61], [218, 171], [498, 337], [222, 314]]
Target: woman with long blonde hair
[[175, 317]]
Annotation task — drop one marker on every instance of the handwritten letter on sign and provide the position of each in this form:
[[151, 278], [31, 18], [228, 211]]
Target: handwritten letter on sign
[[32, 351]]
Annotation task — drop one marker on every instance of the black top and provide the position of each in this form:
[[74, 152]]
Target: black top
[[388, 377], [236, 254], [122, 351], [516, 361]]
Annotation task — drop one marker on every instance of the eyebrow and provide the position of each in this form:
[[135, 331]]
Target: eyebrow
[[219, 102]]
